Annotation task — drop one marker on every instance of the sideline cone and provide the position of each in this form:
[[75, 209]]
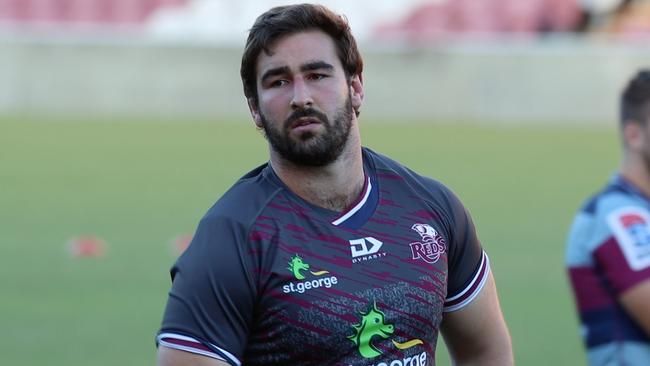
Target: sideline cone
[[86, 246]]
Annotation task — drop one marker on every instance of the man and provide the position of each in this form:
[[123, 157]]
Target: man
[[608, 253], [330, 254]]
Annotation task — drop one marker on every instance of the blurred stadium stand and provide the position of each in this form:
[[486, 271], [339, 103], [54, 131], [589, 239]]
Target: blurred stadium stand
[[70, 14], [432, 21], [488, 60]]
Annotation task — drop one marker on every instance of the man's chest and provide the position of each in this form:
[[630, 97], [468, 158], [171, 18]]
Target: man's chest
[[340, 296]]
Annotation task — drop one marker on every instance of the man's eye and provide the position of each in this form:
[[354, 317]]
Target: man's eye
[[318, 76], [278, 83]]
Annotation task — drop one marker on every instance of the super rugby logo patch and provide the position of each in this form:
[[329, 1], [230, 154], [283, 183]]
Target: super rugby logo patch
[[432, 245], [631, 227]]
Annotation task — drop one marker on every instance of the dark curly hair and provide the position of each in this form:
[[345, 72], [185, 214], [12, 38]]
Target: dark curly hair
[[282, 21], [635, 100]]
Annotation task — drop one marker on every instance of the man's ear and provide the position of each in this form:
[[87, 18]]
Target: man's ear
[[356, 92], [632, 134], [255, 112]]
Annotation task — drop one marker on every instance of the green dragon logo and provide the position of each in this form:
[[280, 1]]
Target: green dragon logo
[[373, 324], [296, 266]]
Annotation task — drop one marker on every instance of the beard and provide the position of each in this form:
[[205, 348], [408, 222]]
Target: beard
[[309, 149]]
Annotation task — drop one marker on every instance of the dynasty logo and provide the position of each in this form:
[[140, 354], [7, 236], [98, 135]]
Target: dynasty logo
[[365, 249], [298, 268]]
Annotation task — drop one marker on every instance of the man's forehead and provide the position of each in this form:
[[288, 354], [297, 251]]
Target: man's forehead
[[298, 49]]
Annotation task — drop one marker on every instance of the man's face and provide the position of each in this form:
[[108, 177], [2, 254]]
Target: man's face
[[304, 103], [645, 143]]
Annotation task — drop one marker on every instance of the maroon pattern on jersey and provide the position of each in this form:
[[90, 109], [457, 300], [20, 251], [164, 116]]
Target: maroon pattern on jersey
[[270, 279]]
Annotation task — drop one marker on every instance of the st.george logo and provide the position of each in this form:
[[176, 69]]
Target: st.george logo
[[299, 269], [432, 245]]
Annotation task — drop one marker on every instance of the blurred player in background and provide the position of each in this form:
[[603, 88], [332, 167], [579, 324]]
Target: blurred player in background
[[608, 252], [330, 254]]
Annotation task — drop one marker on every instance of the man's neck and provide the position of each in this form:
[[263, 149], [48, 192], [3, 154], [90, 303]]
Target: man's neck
[[636, 172], [334, 186]]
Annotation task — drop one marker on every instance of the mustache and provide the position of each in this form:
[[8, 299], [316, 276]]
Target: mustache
[[305, 112]]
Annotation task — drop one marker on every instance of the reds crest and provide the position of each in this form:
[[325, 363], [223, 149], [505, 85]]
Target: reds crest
[[432, 245]]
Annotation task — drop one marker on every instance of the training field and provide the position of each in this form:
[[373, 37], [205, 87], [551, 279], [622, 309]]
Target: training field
[[139, 184]]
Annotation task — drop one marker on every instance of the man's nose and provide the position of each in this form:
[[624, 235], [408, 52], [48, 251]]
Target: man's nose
[[301, 95]]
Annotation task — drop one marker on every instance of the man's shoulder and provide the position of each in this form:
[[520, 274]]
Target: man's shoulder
[[246, 198], [611, 198], [599, 216], [387, 167], [425, 187]]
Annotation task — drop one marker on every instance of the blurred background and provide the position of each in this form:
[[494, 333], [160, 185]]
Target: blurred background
[[122, 121], [496, 60]]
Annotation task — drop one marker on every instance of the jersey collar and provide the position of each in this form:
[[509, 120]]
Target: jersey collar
[[619, 181], [358, 213]]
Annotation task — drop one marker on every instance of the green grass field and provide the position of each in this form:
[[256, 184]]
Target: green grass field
[[138, 184]]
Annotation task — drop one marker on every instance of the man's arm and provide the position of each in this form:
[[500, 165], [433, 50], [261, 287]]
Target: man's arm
[[477, 334], [636, 300], [173, 357]]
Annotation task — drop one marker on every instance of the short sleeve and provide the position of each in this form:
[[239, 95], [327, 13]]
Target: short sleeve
[[624, 254], [210, 306], [468, 265]]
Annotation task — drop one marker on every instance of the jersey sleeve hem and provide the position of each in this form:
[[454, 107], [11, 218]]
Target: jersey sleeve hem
[[469, 293], [192, 345]]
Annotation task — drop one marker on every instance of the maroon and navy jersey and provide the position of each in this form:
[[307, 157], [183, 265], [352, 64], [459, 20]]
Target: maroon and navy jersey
[[608, 252], [270, 279]]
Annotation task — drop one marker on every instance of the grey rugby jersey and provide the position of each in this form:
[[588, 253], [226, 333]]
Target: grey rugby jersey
[[270, 279]]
